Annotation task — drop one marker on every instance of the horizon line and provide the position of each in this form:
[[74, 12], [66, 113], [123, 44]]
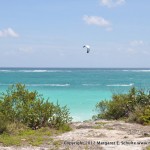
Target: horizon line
[[81, 67]]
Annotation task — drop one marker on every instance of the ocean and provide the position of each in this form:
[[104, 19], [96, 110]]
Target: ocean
[[78, 88]]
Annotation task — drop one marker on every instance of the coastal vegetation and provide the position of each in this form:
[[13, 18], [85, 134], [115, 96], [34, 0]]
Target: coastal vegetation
[[27, 115], [133, 106], [26, 118]]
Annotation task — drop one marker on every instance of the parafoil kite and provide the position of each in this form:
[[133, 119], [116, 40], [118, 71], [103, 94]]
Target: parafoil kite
[[87, 48]]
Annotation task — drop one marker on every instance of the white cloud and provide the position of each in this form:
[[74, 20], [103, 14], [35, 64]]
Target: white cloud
[[22, 51], [137, 47], [136, 43], [9, 32], [131, 50], [99, 21], [112, 3]]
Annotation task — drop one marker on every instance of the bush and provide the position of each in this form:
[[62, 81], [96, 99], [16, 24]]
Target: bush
[[3, 123], [20, 105], [133, 106], [15, 128], [142, 115]]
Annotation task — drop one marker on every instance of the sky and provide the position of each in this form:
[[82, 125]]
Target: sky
[[51, 33]]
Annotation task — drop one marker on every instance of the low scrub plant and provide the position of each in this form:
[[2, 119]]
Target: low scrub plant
[[133, 106], [18, 105]]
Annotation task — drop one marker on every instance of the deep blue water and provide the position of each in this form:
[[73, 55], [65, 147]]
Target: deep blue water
[[79, 89]]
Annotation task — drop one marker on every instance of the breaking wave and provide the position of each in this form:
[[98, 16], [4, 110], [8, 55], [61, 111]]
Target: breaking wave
[[53, 85], [91, 84], [58, 85], [36, 70], [146, 70], [131, 84]]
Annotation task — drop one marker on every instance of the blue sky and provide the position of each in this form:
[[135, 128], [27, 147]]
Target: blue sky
[[51, 33]]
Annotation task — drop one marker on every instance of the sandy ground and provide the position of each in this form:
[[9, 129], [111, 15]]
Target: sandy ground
[[99, 135]]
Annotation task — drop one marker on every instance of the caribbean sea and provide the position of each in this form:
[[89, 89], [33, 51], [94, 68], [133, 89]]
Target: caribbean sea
[[78, 88]]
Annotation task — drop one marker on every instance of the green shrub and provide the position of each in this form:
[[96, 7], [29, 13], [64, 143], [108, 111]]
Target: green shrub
[[15, 128], [3, 123], [19, 105], [133, 106], [60, 116], [142, 115]]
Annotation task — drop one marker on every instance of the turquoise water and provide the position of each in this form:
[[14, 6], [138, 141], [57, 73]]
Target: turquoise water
[[79, 89]]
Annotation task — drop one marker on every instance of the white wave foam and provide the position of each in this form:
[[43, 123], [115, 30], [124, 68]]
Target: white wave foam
[[141, 70], [5, 70], [30, 71], [148, 70], [59, 71], [131, 84], [91, 84], [37, 70], [48, 85], [3, 84]]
